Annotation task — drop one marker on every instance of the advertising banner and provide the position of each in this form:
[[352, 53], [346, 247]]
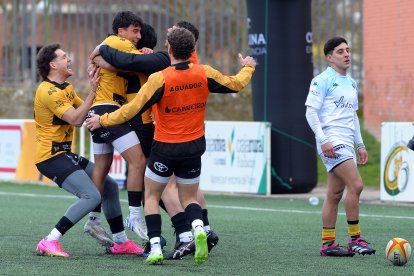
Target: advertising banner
[[237, 158], [397, 170], [17, 151]]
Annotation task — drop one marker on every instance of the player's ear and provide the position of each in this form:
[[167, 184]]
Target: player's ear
[[52, 65]]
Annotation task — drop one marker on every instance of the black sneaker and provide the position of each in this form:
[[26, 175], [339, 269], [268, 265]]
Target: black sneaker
[[360, 246], [334, 250], [147, 246], [180, 250], [212, 240]]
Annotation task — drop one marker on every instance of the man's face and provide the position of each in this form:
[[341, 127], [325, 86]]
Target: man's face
[[340, 57], [132, 33], [62, 63]]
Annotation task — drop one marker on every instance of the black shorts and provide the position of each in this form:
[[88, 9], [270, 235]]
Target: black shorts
[[184, 150], [59, 167], [187, 168], [145, 133], [107, 134], [182, 159]]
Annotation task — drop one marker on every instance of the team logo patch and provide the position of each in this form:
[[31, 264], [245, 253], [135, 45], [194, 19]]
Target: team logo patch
[[397, 170], [160, 167], [314, 92], [52, 90]]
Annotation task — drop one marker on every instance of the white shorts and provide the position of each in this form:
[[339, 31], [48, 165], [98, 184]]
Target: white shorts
[[121, 144], [343, 153]]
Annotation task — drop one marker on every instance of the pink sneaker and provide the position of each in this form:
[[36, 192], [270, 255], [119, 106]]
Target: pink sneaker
[[51, 248], [128, 247]]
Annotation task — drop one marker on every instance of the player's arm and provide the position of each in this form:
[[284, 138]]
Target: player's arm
[[100, 62], [315, 124], [314, 102], [150, 93], [362, 152], [146, 64], [219, 83], [76, 116]]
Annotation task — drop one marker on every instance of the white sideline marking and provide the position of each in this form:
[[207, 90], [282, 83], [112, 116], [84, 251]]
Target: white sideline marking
[[302, 211], [223, 207]]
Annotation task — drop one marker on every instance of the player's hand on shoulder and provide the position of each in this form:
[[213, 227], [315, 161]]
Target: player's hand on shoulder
[[95, 51], [247, 61], [146, 50], [92, 122]]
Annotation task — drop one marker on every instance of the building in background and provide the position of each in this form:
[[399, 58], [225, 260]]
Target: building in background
[[388, 63]]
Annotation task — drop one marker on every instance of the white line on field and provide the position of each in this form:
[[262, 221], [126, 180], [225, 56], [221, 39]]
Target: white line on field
[[222, 207]]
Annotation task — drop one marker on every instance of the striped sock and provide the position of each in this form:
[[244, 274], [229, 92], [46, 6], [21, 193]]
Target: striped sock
[[328, 235]]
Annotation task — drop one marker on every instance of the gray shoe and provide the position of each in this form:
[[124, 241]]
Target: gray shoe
[[137, 225], [98, 232]]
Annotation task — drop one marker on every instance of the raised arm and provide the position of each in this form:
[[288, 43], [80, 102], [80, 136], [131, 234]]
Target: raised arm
[[219, 83]]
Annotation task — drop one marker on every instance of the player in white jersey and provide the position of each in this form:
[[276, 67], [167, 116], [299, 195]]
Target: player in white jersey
[[331, 108]]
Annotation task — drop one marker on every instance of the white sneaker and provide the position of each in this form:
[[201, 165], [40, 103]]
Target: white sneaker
[[155, 256], [98, 232], [138, 225]]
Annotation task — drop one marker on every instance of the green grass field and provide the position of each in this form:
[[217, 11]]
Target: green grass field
[[258, 236]]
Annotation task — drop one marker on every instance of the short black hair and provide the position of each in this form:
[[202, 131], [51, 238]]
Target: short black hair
[[187, 25], [148, 37], [44, 57], [125, 19], [182, 43], [332, 43]]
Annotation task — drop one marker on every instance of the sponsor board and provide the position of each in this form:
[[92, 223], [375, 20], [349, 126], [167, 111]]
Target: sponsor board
[[397, 178]]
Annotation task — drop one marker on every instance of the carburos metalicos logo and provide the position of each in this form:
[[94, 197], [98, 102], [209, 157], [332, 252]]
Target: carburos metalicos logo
[[397, 170], [195, 107]]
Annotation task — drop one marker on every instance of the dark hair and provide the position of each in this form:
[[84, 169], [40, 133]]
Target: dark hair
[[187, 25], [125, 19], [44, 57], [332, 43], [182, 43], [148, 37]]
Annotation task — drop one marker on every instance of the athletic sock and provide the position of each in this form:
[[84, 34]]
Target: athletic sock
[[134, 198], [54, 235], [354, 230], [328, 235], [120, 237]]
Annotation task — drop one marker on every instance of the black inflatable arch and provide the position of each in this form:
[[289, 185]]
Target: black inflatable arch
[[280, 39]]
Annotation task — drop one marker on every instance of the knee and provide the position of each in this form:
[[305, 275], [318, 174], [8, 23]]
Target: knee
[[357, 187], [335, 197], [95, 198], [137, 164]]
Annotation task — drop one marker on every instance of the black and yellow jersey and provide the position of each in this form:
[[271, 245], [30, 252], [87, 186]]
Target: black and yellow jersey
[[53, 135], [179, 95], [149, 64], [112, 84], [135, 82]]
